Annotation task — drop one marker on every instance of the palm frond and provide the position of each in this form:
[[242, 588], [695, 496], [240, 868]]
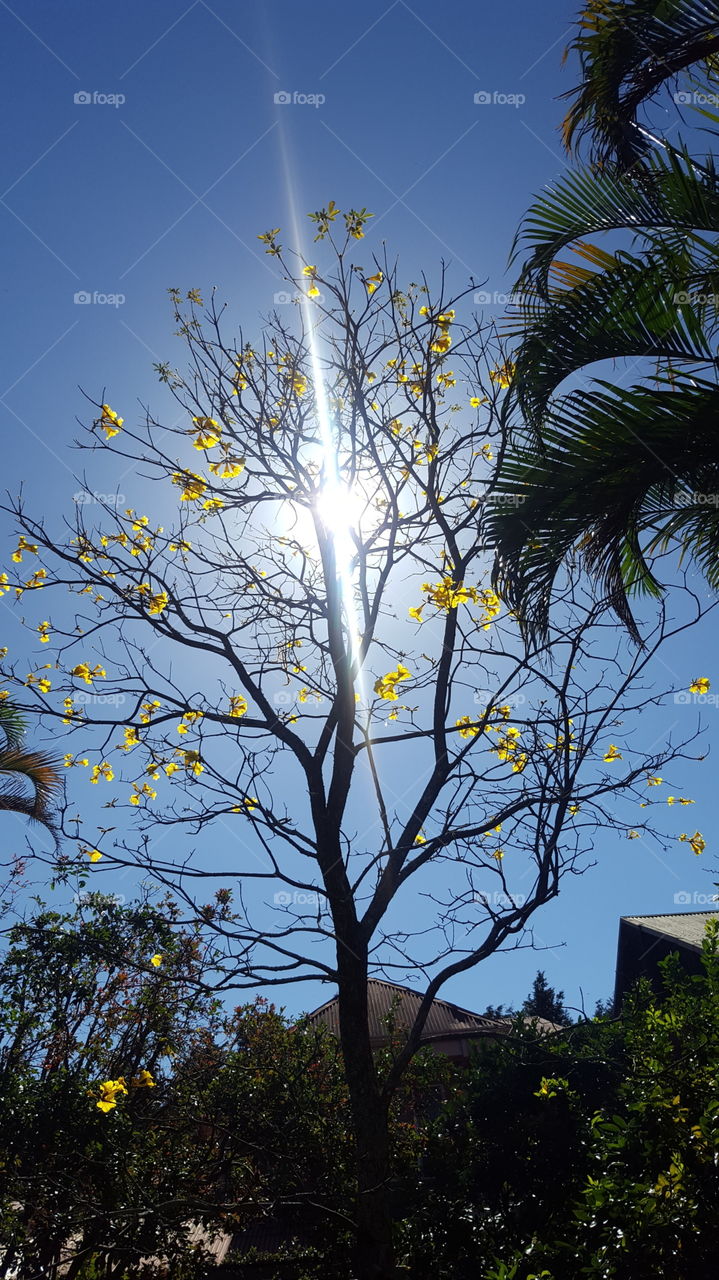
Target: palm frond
[[621, 474], [43, 772], [628, 49]]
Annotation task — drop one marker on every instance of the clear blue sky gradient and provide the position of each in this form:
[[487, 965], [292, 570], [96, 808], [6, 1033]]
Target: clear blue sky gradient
[[171, 188]]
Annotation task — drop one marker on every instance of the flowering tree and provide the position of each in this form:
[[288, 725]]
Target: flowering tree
[[323, 701], [98, 1139]]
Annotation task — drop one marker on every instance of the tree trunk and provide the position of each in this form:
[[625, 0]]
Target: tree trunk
[[374, 1255]]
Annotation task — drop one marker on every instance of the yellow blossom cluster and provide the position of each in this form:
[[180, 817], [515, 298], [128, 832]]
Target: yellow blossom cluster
[[192, 486], [228, 468], [386, 686], [110, 422], [206, 431], [697, 843], [102, 770], [40, 683], [189, 718], [88, 674], [508, 748], [144, 790], [111, 1090], [24, 545], [504, 374]]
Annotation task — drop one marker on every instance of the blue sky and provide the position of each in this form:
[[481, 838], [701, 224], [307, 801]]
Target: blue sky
[[148, 150]]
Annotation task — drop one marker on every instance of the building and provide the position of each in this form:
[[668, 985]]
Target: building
[[646, 940], [449, 1029]]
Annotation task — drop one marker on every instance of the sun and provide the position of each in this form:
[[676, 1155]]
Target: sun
[[339, 508]]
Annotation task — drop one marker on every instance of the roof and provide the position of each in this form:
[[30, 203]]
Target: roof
[[683, 927], [444, 1021], [644, 941]]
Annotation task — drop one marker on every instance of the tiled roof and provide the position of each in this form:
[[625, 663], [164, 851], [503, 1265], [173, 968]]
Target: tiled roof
[[685, 927], [444, 1021]]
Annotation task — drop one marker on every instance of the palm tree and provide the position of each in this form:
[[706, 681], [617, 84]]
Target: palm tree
[[620, 472], [20, 768]]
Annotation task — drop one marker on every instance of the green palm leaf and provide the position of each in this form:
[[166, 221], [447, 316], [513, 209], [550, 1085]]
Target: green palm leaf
[[627, 52], [620, 473]]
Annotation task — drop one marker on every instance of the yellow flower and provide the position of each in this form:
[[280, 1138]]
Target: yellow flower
[[373, 282], [386, 685], [93, 854], [697, 843], [612, 753], [34, 583], [633, 835], [420, 838], [110, 422], [156, 960], [299, 384], [238, 706], [41, 682], [504, 374], [132, 738], [208, 433], [103, 770], [192, 486], [23, 545], [654, 781], [109, 1091], [471, 728], [44, 629], [475, 401], [157, 603], [416, 613], [83, 672], [228, 469], [144, 1080], [486, 450], [3, 584], [700, 685], [441, 344], [193, 762]]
